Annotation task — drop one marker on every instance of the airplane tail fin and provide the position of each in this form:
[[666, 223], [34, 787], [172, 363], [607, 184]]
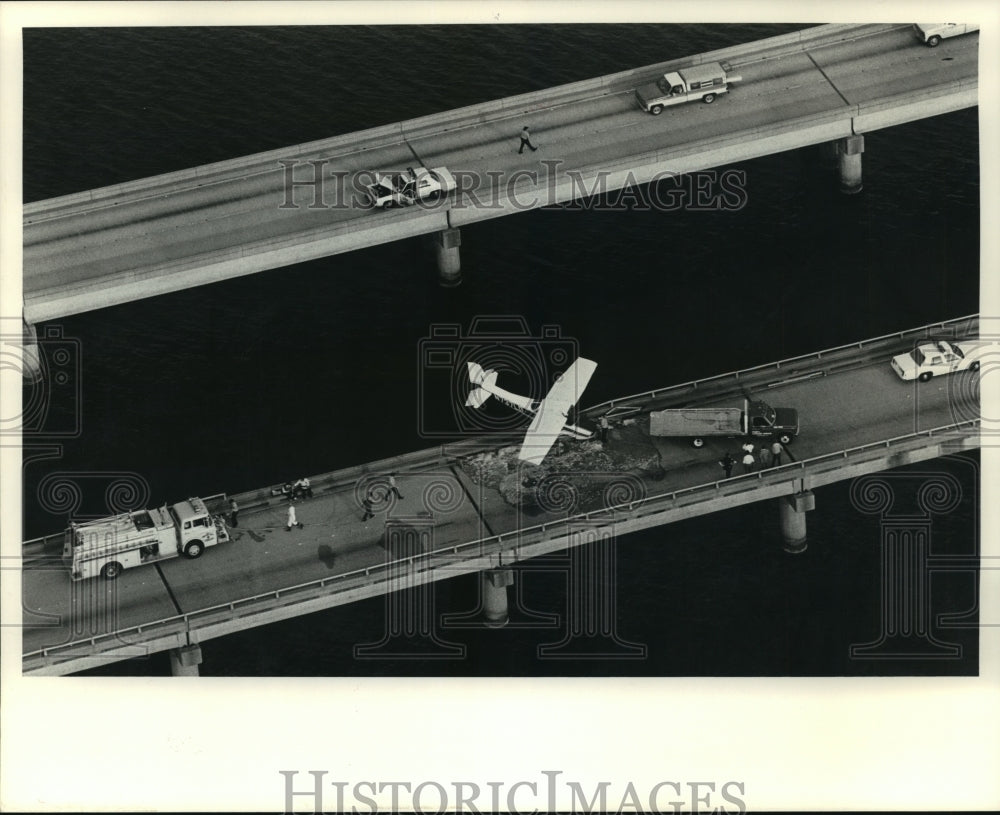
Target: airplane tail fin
[[481, 381]]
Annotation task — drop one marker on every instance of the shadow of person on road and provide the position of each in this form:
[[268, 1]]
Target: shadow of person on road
[[325, 555]]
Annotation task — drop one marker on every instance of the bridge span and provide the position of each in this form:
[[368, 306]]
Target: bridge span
[[449, 519], [828, 85]]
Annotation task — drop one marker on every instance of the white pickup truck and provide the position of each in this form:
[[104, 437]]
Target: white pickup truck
[[932, 33], [703, 82]]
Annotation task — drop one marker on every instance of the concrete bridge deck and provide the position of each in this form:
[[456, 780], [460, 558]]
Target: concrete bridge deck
[[111, 245], [269, 573]]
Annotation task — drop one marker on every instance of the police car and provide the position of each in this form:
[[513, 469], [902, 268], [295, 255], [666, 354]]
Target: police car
[[400, 189], [936, 357]]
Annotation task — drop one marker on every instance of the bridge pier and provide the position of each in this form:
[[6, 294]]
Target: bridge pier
[[849, 152], [792, 510], [184, 661], [495, 605], [449, 261]]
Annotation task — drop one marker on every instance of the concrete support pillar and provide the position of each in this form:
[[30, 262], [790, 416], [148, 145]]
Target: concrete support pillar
[[849, 150], [31, 362], [185, 661], [449, 260], [495, 607], [793, 509]]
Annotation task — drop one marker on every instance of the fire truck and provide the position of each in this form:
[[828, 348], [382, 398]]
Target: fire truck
[[107, 546]]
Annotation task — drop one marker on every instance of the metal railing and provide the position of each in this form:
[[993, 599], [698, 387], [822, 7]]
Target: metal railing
[[662, 503], [966, 323]]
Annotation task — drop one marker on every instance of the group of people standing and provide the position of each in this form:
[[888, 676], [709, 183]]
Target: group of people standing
[[303, 489], [767, 456]]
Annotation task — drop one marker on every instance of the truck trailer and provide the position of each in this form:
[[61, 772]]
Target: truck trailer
[[756, 418]]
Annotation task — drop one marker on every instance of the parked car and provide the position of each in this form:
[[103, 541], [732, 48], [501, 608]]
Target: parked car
[[933, 33], [935, 358], [400, 189]]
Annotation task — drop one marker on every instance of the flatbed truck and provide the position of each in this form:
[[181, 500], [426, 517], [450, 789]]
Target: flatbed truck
[[755, 418]]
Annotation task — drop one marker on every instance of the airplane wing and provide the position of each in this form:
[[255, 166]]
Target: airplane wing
[[551, 415], [569, 387]]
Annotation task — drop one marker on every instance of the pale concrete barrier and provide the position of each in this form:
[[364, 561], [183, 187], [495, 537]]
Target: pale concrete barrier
[[384, 135], [43, 304]]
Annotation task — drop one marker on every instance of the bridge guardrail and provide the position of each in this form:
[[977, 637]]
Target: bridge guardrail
[[839, 358], [960, 433], [958, 326], [384, 135]]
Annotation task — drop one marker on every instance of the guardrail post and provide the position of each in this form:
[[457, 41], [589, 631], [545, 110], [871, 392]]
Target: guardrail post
[[849, 151], [792, 510], [184, 661], [449, 260]]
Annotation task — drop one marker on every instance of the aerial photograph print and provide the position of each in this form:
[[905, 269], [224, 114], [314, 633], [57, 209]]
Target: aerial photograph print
[[500, 352]]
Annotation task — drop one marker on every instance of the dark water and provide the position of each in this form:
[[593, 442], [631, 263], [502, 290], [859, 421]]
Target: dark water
[[315, 367]]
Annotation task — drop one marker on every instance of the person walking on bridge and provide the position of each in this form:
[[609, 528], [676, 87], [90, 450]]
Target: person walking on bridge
[[366, 502], [726, 463], [233, 512], [776, 451], [292, 520], [392, 486], [526, 140], [748, 462]]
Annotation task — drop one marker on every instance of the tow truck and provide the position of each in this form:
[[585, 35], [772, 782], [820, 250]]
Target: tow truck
[[107, 546]]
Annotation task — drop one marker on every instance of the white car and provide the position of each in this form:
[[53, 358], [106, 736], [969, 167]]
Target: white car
[[936, 357], [933, 33], [400, 189]]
